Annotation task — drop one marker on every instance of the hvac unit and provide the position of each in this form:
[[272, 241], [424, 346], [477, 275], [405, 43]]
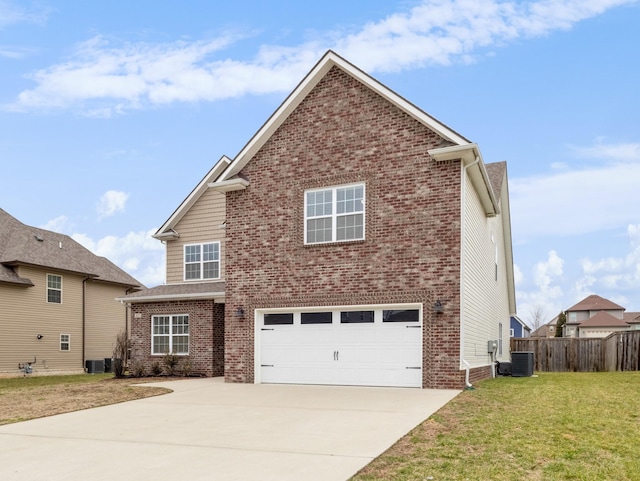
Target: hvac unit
[[107, 364], [503, 368], [94, 366], [522, 364]]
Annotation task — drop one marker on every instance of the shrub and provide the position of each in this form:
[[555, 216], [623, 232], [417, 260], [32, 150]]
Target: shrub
[[186, 367], [120, 354], [170, 361], [137, 369], [156, 369]]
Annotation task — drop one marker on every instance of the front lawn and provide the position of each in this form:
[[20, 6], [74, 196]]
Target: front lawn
[[555, 426], [24, 398]]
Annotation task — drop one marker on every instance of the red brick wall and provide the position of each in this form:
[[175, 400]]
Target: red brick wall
[[206, 334], [341, 133]]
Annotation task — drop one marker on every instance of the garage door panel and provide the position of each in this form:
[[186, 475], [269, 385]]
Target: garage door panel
[[368, 353]]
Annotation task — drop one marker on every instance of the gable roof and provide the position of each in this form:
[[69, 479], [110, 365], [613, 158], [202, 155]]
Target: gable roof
[[21, 244], [166, 230], [595, 303], [326, 63], [603, 319]]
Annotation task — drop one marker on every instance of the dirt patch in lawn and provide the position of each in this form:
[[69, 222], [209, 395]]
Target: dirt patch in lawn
[[23, 403]]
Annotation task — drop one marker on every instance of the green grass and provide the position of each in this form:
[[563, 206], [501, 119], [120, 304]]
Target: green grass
[[556, 426], [39, 381]]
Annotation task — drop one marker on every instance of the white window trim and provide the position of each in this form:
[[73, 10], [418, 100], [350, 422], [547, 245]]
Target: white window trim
[[171, 317], [184, 261], [334, 216], [46, 292], [68, 342]]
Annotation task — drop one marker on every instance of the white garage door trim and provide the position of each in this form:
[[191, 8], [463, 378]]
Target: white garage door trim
[[378, 353]]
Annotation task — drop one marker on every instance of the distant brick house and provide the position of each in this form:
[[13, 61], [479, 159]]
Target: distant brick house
[[354, 240], [57, 301]]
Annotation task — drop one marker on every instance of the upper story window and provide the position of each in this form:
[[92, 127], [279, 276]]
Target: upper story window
[[54, 289], [334, 214], [202, 261]]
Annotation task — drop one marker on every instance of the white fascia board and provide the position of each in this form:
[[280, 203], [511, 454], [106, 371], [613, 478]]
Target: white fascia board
[[469, 153], [229, 185], [216, 296], [191, 199], [329, 60]]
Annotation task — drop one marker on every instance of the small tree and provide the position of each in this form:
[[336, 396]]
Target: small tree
[[537, 315], [121, 354], [562, 320]]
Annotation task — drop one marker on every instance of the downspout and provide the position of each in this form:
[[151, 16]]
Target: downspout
[[84, 321], [466, 377], [468, 384]]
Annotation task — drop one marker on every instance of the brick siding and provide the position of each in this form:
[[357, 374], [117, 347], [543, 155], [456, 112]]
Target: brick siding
[[342, 132], [206, 334]]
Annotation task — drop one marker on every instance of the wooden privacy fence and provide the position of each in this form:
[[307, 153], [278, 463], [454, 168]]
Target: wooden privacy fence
[[619, 351]]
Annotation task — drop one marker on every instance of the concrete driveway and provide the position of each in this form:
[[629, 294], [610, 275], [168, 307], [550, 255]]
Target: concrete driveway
[[209, 430]]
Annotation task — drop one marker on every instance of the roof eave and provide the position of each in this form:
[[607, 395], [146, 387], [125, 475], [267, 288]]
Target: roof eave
[[217, 297], [229, 185], [471, 157]]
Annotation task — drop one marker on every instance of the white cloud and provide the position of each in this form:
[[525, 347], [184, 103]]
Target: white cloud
[[14, 52], [137, 253], [111, 203], [620, 152], [102, 80], [545, 272], [12, 14], [60, 224], [544, 295], [546, 205], [616, 273]]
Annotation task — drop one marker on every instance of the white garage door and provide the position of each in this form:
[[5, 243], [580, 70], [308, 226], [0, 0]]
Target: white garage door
[[361, 347]]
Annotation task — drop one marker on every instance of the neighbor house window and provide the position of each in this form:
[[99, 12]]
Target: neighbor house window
[[65, 342], [54, 288], [202, 261], [170, 334], [334, 214]]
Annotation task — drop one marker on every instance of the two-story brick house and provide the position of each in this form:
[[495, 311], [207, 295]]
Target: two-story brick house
[[360, 242]]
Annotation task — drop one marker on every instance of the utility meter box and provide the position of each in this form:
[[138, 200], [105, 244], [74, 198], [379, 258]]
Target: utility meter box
[[492, 346]]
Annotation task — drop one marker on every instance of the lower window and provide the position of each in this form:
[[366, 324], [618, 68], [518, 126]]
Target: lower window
[[65, 342], [170, 334]]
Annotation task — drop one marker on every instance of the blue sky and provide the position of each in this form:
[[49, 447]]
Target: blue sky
[[112, 111]]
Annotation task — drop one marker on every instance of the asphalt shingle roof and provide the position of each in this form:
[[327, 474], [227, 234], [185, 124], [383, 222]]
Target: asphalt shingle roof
[[21, 244], [595, 303]]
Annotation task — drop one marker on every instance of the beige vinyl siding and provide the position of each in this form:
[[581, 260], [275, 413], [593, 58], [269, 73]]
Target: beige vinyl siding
[[485, 301], [105, 318], [200, 224], [25, 313]]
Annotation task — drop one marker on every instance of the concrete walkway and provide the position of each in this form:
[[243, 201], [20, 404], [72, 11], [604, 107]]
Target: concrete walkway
[[209, 430]]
